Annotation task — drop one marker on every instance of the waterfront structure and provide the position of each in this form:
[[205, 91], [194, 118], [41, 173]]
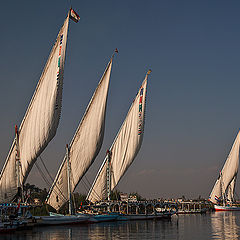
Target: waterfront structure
[[189, 207]]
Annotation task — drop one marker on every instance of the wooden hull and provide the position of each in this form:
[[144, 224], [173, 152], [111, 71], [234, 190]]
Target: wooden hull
[[165, 215], [62, 220], [138, 217], [226, 208], [13, 225], [7, 227], [103, 218]]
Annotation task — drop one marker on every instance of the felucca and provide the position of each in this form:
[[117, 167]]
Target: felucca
[[222, 195], [124, 149], [121, 154], [83, 149], [40, 122]]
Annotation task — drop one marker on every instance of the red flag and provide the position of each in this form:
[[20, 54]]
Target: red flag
[[73, 15]]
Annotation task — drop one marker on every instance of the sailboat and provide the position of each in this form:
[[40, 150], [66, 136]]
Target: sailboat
[[124, 149], [40, 122], [222, 195], [119, 158], [83, 149]]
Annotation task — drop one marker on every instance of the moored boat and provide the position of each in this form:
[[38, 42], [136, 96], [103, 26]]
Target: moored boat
[[123, 150], [103, 218], [226, 208], [131, 217], [61, 220], [39, 124], [84, 147], [6, 227], [164, 215]]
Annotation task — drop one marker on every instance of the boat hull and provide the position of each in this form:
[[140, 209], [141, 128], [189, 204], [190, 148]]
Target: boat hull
[[7, 227], [103, 218], [226, 208], [131, 217], [62, 220], [164, 215]]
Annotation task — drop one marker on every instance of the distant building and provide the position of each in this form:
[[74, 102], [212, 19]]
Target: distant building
[[124, 197], [132, 198]]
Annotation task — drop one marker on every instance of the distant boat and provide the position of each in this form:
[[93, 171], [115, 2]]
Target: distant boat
[[222, 195], [124, 149], [40, 122]]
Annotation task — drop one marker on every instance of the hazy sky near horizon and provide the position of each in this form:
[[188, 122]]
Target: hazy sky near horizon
[[193, 108]]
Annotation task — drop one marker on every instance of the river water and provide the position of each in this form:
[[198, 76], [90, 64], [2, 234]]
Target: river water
[[218, 225]]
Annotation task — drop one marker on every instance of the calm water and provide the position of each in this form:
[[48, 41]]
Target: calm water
[[207, 226]]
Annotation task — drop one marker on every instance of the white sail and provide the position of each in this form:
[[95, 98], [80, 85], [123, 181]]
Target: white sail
[[231, 190], [228, 173], [124, 148], [40, 122], [85, 145]]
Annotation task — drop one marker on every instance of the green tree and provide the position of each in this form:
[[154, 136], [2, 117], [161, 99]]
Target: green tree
[[115, 195]]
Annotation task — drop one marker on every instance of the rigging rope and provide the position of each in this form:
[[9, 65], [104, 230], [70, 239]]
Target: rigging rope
[[46, 180], [94, 192], [46, 169], [42, 175]]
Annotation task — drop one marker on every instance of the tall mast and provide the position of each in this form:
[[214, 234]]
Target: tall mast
[[108, 174], [221, 184], [69, 183], [230, 194], [18, 165]]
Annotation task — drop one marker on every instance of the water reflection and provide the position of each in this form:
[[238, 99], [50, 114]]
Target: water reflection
[[224, 225], [194, 226], [129, 230]]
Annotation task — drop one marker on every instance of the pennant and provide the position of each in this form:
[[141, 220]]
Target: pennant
[[216, 198], [73, 15]]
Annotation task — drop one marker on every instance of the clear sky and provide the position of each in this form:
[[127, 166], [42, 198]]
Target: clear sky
[[193, 109]]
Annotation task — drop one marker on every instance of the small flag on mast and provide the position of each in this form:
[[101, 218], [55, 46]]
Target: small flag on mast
[[149, 71], [73, 15]]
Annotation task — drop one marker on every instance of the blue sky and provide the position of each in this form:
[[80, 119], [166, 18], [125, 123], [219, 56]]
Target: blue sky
[[192, 112]]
